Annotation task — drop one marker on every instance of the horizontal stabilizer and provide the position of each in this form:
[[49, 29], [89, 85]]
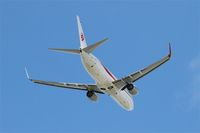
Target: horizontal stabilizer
[[90, 48], [73, 51]]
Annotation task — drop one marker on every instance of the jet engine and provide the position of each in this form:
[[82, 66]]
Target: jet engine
[[132, 89], [92, 96]]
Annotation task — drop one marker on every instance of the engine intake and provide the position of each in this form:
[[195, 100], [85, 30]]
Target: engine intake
[[132, 89], [130, 86], [92, 96]]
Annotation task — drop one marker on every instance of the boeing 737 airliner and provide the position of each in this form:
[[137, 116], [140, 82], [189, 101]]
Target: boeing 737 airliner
[[121, 90]]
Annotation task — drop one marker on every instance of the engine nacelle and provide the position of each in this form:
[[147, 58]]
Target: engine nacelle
[[132, 89], [92, 96]]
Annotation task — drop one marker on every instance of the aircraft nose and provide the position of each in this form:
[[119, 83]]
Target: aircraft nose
[[129, 108], [129, 105]]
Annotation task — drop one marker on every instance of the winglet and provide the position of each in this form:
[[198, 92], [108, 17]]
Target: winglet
[[27, 73], [170, 51]]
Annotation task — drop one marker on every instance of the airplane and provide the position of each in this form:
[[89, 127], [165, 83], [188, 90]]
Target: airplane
[[121, 90]]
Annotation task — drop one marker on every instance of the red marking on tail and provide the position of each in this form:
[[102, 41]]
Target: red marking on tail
[[82, 37]]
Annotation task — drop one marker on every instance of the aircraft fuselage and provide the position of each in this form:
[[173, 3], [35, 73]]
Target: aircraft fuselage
[[104, 79]]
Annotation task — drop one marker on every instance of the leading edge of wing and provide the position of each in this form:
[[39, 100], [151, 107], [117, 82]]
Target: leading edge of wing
[[75, 86]]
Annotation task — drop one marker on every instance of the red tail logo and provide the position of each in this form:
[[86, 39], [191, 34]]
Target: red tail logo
[[82, 37]]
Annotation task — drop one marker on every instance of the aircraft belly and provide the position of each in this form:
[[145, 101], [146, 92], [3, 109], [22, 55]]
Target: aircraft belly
[[96, 71]]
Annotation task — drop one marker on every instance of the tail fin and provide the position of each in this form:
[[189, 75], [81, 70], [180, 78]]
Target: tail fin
[[83, 43], [81, 34]]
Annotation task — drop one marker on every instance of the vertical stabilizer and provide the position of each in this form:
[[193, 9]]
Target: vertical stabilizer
[[81, 34]]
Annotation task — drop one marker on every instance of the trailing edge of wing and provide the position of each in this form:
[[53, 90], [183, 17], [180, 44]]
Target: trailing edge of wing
[[139, 74]]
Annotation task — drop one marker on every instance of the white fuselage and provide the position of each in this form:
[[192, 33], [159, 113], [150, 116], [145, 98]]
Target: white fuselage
[[104, 79]]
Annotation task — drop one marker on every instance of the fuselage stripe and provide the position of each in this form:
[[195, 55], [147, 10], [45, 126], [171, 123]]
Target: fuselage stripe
[[109, 73]]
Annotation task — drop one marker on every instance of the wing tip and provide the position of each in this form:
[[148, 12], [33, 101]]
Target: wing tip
[[27, 75], [52, 49], [170, 51]]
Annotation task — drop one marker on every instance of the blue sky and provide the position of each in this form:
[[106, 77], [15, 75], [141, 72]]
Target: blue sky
[[139, 33]]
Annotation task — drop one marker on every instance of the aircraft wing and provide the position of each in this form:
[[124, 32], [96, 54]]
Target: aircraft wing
[[139, 74], [75, 86]]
